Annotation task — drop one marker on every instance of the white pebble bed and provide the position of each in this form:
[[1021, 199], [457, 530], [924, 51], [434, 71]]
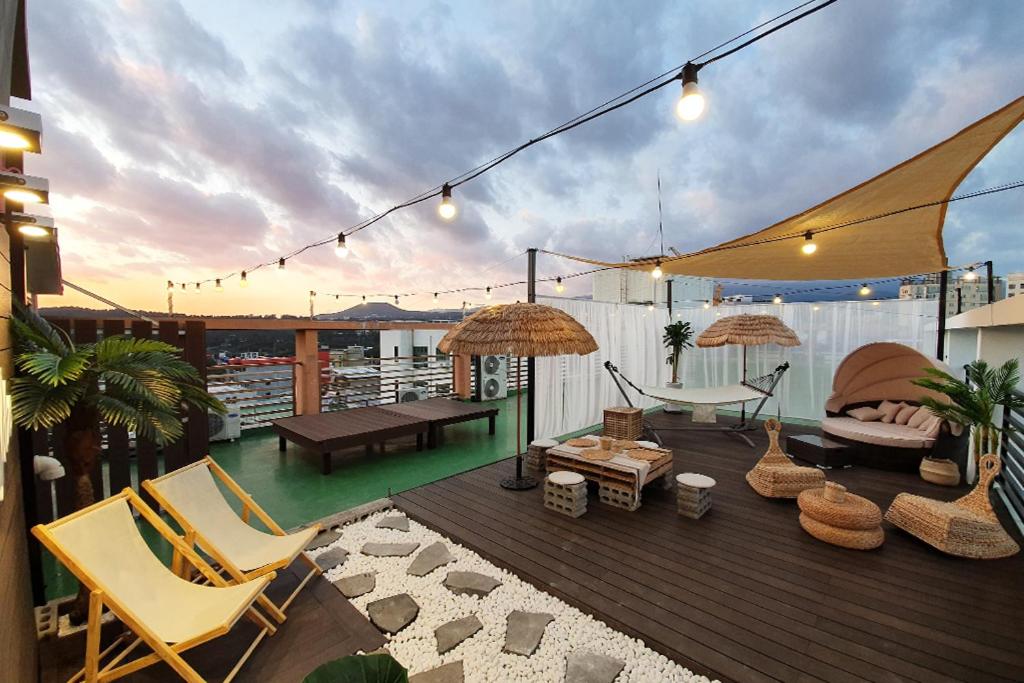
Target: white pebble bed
[[483, 660]]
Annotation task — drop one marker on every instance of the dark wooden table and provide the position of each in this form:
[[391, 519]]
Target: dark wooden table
[[820, 450], [329, 432], [440, 412]]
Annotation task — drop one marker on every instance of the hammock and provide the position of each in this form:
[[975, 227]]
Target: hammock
[[718, 396]]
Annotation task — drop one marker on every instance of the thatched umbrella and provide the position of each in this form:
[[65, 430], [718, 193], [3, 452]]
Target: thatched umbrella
[[747, 330], [523, 330]]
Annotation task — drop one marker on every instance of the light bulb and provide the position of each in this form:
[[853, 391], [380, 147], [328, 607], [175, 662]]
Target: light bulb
[[217, 287], [706, 305], [650, 306], [184, 288], [23, 196], [11, 140], [33, 230], [170, 286], [244, 282], [341, 249], [280, 265], [487, 294], [396, 299], [364, 300], [970, 275], [809, 246], [446, 209], [657, 273], [559, 287], [198, 291], [815, 308], [864, 290], [777, 299], [876, 303], [435, 298], [691, 102]]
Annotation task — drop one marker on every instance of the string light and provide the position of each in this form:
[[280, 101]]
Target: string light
[[217, 287], [446, 209], [864, 289], [691, 102], [815, 308], [396, 299], [777, 299], [197, 288], [559, 287], [244, 282], [657, 272], [876, 303], [435, 298], [170, 286], [970, 275], [280, 265], [650, 306], [706, 305], [364, 300], [487, 294], [341, 249], [809, 246]]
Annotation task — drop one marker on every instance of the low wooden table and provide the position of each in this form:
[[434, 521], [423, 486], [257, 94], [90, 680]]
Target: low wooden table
[[609, 474], [329, 432], [820, 451], [440, 412]]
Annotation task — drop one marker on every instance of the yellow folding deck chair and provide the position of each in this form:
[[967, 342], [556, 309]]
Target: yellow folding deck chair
[[191, 495], [102, 546]]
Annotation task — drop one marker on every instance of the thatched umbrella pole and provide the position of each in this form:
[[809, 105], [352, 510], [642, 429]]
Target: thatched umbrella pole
[[519, 331]]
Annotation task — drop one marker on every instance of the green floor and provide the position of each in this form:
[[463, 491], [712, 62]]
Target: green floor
[[290, 487]]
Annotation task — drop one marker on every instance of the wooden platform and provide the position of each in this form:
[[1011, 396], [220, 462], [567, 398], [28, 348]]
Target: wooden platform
[[440, 412], [329, 432], [744, 594], [321, 626]]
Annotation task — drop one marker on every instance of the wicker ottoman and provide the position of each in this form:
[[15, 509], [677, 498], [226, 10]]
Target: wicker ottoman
[[566, 493], [537, 454], [832, 515], [693, 496], [623, 423]]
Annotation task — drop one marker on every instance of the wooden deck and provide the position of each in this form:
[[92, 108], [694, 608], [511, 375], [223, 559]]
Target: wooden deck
[[744, 594]]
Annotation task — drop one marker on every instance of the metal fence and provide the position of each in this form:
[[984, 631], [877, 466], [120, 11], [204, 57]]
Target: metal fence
[[1011, 479]]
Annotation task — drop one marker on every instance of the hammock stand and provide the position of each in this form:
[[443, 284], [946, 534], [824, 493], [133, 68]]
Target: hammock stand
[[755, 389]]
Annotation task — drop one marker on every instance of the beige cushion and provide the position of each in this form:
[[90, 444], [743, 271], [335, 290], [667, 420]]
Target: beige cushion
[[919, 418], [865, 414], [889, 410], [906, 412], [877, 433], [931, 427]]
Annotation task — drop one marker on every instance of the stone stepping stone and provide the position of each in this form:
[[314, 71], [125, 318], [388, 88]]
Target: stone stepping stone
[[470, 583], [393, 614], [584, 666], [397, 522], [323, 538], [447, 673], [389, 549], [357, 584], [454, 632], [331, 558], [524, 630], [429, 559]]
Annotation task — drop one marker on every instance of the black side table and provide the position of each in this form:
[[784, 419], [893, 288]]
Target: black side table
[[820, 451]]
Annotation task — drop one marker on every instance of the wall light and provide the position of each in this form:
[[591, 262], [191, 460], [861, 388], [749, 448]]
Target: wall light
[[25, 189], [33, 226], [20, 130]]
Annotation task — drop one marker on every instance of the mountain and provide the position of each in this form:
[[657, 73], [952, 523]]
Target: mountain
[[378, 310]]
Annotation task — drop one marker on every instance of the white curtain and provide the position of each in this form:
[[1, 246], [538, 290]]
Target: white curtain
[[572, 392]]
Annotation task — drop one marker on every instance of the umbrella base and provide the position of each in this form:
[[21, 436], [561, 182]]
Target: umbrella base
[[519, 483]]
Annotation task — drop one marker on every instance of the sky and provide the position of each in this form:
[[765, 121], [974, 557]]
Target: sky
[[186, 140]]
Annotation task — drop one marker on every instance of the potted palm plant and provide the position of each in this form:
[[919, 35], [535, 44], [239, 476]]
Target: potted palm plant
[[974, 400], [138, 384], [678, 336]]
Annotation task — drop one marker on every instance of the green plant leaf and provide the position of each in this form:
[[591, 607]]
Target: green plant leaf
[[378, 668]]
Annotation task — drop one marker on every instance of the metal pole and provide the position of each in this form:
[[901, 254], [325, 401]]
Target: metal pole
[[531, 363], [940, 343], [991, 282], [959, 300], [668, 296]]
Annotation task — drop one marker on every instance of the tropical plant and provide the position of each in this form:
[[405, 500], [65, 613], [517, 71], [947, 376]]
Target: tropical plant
[[138, 384], [376, 668], [676, 338], [974, 400]]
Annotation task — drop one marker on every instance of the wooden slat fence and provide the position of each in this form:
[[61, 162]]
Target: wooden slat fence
[[125, 460]]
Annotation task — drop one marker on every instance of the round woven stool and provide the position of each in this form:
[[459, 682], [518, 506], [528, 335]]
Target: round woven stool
[[833, 515]]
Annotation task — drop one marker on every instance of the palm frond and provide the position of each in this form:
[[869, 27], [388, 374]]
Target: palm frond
[[33, 332], [54, 369], [38, 406]]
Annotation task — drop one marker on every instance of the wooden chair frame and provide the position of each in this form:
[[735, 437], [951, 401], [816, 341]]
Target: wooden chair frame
[[249, 508], [94, 671]]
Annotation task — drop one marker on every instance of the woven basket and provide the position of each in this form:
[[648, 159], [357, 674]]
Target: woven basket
[[776, 476], [940, 471], [623, 423], [966, 527]]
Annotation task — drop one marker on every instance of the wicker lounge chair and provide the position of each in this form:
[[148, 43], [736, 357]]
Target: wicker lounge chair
[[776, 476], [102, 546], [966, 527], [192, 497]]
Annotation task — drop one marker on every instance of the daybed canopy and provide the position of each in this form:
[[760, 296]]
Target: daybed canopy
[[881, 371]]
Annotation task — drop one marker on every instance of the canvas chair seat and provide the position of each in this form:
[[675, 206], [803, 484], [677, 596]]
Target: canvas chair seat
[[108, 543], [193, 493]]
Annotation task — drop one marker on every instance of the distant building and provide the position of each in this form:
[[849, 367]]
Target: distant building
[[962, 295], [1014, 284], [410, 361], [627, 286]]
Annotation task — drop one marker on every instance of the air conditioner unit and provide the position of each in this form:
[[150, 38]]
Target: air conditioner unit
[[227, 427], [491, 378], [412, 394]]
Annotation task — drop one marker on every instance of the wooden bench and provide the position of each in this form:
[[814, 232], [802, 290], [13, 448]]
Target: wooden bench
[[440, 412]]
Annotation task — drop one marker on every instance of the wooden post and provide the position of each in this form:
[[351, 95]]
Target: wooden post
[[940, 343], [198, 428], [991, 282], [462, 379], [307, 373]]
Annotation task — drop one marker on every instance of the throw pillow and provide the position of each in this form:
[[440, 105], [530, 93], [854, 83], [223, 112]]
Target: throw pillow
[[906, 412], [932, 427], [919, 418], [865, 414], [889, 410]]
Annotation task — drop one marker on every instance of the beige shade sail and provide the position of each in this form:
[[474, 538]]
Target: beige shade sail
[[524, 330], [882, 371], [864, 232], [748, 330]]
